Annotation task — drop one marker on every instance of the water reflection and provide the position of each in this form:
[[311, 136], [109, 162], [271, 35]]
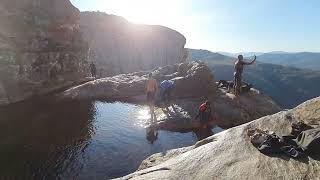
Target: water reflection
[[51, 139], [151, 134], [43, 139]]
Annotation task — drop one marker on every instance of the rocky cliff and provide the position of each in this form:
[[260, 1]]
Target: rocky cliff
[[230, 154], [118, 46], [41, 48]]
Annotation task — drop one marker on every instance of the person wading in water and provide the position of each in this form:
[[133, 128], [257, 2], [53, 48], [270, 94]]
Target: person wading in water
[[151, 89], [238, 69]]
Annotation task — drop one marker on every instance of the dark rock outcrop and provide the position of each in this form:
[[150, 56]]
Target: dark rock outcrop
[[41, 48], [230, 154], [118, 46], [194, 83]]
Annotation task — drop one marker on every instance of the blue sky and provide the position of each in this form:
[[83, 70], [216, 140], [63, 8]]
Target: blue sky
[[226, 25]]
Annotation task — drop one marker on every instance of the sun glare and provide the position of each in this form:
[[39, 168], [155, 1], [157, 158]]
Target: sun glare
[[144, 114], [147, 11]]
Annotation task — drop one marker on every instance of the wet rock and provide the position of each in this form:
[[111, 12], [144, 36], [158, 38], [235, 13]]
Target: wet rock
[[230, 154], [41, 48]]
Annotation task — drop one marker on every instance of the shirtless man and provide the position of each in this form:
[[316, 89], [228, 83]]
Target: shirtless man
[[151, 89], [238, 69]]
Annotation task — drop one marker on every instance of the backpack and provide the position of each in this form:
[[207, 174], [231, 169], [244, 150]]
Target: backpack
[[309, 140], [297, 128]]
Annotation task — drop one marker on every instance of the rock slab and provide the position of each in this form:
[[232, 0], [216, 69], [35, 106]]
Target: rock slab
[[230, 154]]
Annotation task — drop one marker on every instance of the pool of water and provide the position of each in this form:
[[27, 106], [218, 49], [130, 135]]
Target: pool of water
[[78, 140]]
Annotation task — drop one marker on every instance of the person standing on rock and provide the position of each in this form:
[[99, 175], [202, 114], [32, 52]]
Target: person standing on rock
[[151, 89], [166, 87], [204, 113], [93, 70], [238, 69]]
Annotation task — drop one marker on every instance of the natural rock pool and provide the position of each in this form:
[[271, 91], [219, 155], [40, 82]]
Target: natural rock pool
[[78, 139]]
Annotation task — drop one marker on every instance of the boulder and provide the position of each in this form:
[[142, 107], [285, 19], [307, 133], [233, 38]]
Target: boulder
[[227, 110], [41, 48], [126, 86], [230, 154]]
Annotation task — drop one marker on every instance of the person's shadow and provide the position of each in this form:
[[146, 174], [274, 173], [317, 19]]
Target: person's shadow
[[151, 134], [203, 133]]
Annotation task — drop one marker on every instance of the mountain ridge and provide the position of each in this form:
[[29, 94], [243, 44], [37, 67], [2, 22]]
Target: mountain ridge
[[288, 86]]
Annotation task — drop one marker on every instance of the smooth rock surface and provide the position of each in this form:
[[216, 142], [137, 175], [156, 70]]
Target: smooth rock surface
[[130, 85], [230, 154]]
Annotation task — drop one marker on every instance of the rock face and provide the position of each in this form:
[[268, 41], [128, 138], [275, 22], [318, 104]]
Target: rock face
[[194, 83], [118, 46], [41, 48], [230, 154]]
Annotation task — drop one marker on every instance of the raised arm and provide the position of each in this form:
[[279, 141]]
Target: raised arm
[[249, 63]]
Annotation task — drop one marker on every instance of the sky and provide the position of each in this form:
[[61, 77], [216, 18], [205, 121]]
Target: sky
[[226, 25]]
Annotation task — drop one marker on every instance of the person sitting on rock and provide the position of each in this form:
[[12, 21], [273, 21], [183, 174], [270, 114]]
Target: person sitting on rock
[[151, 89], [204, 113], [238, 67], [166, 87], [246, 87], [226, 84]]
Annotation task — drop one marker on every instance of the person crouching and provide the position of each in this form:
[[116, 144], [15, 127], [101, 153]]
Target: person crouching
[[204, 114]]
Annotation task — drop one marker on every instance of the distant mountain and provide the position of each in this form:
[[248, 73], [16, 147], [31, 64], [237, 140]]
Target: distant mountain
[[288, 86], [245, 54], [204, 55], [306, 60]]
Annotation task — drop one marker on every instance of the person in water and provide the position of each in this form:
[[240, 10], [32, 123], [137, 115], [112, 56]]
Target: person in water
[[205, 113], [166, 87], [151, 90], [238, 69]]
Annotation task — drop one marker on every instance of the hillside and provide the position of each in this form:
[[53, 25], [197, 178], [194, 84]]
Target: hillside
[[245, 54], [305, 60], [288, 86]]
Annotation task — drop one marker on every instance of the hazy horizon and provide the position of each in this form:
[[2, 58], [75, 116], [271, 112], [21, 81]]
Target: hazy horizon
[[233, 26]]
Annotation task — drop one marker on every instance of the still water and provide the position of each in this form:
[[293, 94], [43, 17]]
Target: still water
[[78, 140]]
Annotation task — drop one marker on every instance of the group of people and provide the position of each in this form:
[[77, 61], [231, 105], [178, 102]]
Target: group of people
[[205, 114], [166, 87]]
